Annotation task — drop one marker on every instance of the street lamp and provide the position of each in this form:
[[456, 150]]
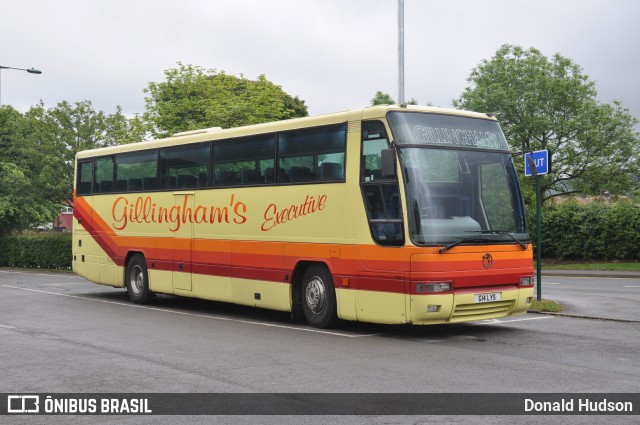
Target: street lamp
[[400, 52], [30, 71]]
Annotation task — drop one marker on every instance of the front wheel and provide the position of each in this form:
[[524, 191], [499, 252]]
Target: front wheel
[[137, 280], [319, 297]]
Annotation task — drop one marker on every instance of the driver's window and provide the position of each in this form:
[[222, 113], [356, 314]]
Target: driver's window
[[374, 140], [381, 196]]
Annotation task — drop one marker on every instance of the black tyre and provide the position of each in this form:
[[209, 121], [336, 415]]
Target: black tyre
[[319, 297], [137, 280]]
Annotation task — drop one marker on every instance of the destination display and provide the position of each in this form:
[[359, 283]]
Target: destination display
[[446, 130]]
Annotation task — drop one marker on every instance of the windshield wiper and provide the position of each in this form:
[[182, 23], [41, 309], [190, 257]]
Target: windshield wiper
[[458, 242], [502, 232], [486, 232]]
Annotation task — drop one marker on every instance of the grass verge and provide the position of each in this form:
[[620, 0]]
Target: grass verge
[[546, 305], [565, 265]]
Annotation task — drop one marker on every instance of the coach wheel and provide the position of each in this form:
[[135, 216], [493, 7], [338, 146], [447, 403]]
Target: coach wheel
[[319, 297], [138, 280]]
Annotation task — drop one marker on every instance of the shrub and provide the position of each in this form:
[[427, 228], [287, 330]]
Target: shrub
[[596, 231], [36, 250]]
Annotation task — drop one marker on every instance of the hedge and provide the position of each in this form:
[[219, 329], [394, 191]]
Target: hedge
[[36, 250], [593, 232]]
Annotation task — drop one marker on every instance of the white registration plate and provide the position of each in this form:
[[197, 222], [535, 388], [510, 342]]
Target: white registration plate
[[487, 298]]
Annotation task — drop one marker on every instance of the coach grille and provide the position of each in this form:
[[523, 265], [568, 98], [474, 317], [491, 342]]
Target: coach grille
[[481, 311]]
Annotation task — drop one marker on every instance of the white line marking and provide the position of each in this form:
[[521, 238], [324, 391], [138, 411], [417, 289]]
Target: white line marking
[[631, 286], [66, 283], [600, 278], [63, 275], [499, 322], [250, 322], [551, 283]]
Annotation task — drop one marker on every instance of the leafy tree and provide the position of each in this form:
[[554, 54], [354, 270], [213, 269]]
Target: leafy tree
[[382, 99], [18, 208], [60, 132], [21, 202], [121, 130], [549, 103], [385, 99], [37, 153], [193, 98]]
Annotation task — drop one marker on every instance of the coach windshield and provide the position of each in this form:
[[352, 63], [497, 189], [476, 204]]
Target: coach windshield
[[460, 181]]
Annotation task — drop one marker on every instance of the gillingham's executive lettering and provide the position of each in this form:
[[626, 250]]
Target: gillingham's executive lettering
[[144, 210], [274, 216]]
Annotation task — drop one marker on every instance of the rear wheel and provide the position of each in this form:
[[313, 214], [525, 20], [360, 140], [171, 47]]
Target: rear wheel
[[319, 297], [137, 280]]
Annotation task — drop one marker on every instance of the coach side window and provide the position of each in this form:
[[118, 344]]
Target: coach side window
[[185, 167], [84, 178], [246, 161], [103, 182], [313, 154], [136, 171]]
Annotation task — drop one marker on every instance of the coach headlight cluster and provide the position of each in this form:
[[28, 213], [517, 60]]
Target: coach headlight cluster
[[526, 281], [431, 287]]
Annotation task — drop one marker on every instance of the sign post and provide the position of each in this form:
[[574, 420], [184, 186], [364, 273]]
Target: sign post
[[536, 164], [540, 163]]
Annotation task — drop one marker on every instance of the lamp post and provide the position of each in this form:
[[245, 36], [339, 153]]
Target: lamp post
[[400, 52], [30, 71]]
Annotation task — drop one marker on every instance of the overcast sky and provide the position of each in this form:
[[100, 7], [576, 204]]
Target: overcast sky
[[334, 54]]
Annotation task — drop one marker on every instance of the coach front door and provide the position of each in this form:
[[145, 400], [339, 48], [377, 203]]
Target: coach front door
[[182, 241]]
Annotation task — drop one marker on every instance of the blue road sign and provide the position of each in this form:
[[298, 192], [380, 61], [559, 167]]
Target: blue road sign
[[541, 160]]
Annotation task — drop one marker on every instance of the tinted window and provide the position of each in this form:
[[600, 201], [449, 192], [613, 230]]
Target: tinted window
[[136, 171], [85, 177], [185, 167], [312, 154], [245, 161], [103, 182]]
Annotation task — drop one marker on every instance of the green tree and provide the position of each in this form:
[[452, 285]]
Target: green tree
[[58, 133], [385, 99], [193, 98], [549, 103], [23, 199], [382, 99], [37, 152]]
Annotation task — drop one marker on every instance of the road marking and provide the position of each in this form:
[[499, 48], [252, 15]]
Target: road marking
[[63, 275], [226, 319], [632, 286], [6, 326], [498, 322], [66, 283], [551, 283]]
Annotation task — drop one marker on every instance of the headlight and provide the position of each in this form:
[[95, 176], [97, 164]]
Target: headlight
[[526, 281], [434, 287]]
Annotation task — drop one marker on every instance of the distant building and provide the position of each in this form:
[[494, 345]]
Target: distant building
[[64, 222]]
